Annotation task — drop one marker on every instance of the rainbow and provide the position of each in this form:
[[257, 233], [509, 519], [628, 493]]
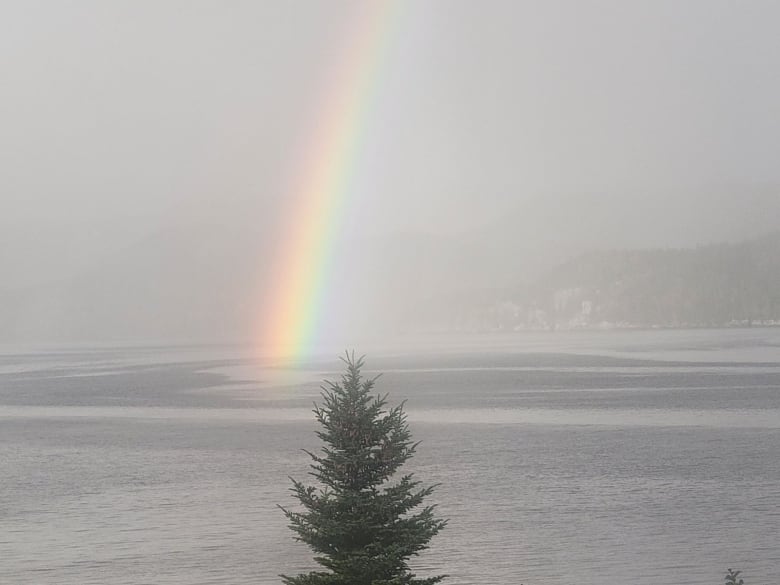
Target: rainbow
[[320, 195]]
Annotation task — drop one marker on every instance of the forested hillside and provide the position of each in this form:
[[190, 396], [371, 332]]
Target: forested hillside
[[707, 286]]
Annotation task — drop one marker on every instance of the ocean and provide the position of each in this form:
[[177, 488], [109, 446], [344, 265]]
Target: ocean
[[638, 457]]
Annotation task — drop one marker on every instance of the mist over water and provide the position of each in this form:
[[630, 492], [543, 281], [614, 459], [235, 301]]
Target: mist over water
[[633, 457]]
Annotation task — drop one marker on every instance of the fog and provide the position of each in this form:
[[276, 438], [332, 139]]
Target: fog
[[147, 150]]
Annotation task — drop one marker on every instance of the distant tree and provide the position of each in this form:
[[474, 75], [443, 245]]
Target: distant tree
[[362, 527], [732, 578]]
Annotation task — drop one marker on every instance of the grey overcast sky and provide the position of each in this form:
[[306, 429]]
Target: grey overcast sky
[[658, 122]]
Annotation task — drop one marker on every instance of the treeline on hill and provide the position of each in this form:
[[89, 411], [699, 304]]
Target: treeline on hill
[[708, 286]]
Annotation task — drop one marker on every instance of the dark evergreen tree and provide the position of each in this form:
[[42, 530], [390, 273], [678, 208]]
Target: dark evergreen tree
[[732, 578], [363, 527]]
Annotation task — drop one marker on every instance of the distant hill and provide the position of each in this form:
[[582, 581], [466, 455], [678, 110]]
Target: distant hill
[[730, 284], [504, 273]]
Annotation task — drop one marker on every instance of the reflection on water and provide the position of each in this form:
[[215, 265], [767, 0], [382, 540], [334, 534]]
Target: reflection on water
[[578, 466]]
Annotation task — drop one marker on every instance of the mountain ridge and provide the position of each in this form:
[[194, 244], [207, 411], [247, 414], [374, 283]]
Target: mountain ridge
[[713, 285]]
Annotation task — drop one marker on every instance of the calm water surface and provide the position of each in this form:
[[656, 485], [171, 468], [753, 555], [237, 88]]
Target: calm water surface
[[634, 457]]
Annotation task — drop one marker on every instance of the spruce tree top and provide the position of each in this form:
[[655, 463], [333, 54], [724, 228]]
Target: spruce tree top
[[362, 527]]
